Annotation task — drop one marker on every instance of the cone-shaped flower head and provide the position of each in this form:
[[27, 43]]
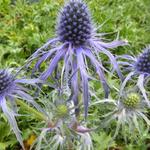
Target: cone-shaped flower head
[[74, 23], [6, 81], [143, 62]]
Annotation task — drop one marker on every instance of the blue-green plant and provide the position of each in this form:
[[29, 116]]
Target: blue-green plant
[[75, 43]]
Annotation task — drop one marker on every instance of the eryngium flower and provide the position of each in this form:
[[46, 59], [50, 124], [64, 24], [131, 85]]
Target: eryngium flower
[[11, 88], [142, 64], [76, 42], [129, 111], [137, 66], [132, 100], [74, 24], [63, 131]]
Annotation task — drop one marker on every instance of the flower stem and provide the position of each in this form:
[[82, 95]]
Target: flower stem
[[31, 110]]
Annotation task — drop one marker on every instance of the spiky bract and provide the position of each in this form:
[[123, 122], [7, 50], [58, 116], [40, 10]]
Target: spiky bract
[[11, 89], [137, 67], [128, 111], [78, 44]]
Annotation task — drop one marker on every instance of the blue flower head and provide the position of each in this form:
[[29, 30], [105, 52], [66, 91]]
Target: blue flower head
[[78, 44], [74, 23], [10, 89], [143, 62], [6, 81]]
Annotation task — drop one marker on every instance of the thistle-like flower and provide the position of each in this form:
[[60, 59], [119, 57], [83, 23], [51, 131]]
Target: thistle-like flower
[[127, 111], [140, 67], [11, 89], [66, 136], [76, 43]]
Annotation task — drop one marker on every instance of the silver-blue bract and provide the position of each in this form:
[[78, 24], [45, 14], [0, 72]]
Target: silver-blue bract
[[77, 43], [11, 89], [128, 111], [138, 67]]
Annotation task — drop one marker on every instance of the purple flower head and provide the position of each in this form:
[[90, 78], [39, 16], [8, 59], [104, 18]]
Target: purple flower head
[[142, 64], [74, 23], [11, 89], [137, 66], [6, 81], [78, 45]]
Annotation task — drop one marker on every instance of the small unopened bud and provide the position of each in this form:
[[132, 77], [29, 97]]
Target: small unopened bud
[[132, 100], [61, 111]]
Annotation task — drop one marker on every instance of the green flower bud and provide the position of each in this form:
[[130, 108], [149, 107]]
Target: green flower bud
[[132, 100], [62, 110]]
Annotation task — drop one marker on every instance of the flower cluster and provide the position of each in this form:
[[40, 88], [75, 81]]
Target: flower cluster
[[73, 55], [76, 43], [137, 66]]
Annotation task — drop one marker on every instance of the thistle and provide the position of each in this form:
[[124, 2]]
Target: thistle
[[138, 67], [76, 42], [129, 110], [10, 89], [74, 24], [142, 65]]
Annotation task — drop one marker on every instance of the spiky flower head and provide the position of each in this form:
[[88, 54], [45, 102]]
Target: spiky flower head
[[132, 100], [138, 67], [11, 88], [128, 111], [6, 81], [143, 62], [74, 23]]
